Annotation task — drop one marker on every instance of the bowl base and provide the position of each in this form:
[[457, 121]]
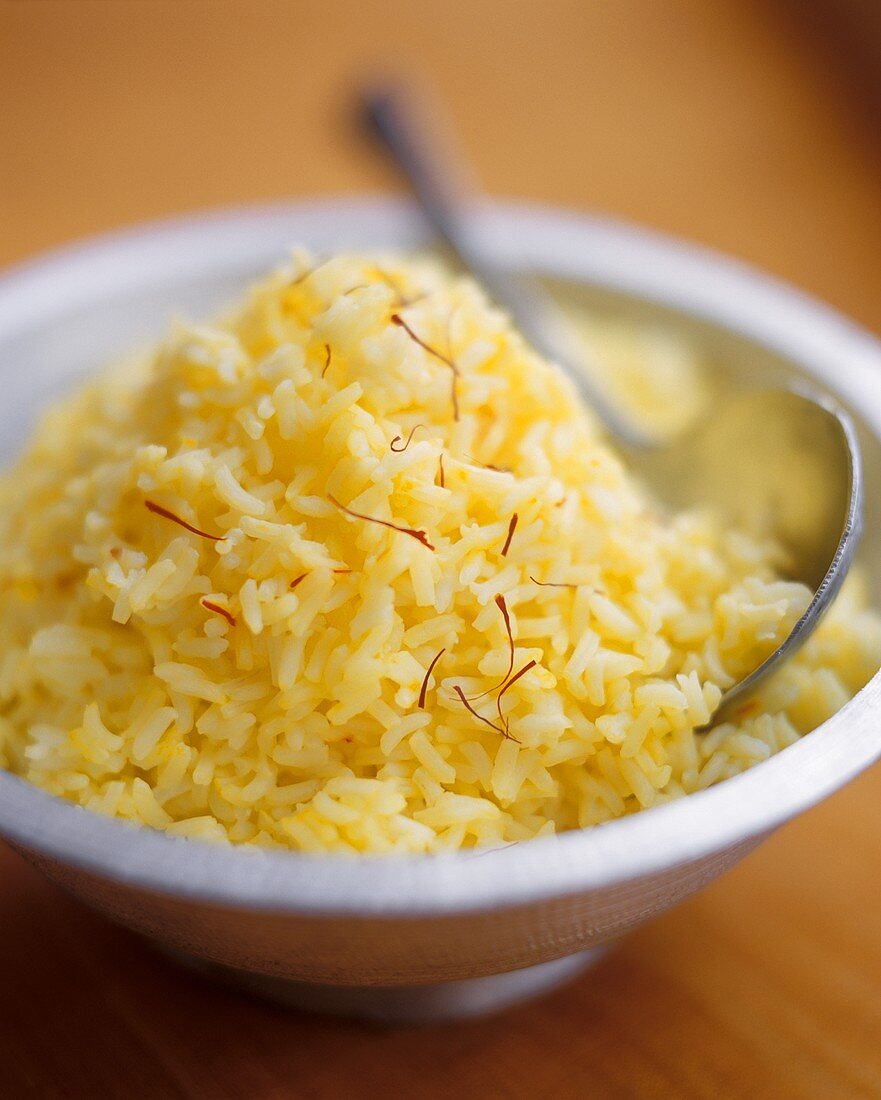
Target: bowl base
[[403, 1005]]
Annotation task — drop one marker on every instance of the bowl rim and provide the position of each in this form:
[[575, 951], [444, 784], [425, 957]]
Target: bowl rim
[[592, 250]]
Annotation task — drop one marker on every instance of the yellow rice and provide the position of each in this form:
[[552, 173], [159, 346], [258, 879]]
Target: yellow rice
[[126, 690]]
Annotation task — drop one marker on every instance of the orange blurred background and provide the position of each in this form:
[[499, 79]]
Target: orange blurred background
[[723, 120]]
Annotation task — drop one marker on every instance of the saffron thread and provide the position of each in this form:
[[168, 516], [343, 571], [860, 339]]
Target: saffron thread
[[403, 299], [397, 439], [489, 466], [503, 607], [511, 528], [210, 605], [151, 506], [551, 584], [398, 320], [414, 533], [428, 672], [513, 680], [471, 710]]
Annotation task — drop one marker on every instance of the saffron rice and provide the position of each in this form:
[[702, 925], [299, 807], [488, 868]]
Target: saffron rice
[[243, 598]]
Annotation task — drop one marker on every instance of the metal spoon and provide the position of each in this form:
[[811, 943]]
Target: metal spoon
[[789, 456]]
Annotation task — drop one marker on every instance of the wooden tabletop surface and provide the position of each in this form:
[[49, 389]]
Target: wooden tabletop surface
[[721, 120]]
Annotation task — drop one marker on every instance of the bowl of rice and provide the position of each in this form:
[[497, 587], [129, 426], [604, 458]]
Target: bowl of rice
[[339, 652]]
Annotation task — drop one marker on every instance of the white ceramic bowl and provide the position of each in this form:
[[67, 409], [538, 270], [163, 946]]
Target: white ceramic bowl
[[420, 937]]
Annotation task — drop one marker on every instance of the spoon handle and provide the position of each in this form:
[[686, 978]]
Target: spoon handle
[[439, 197]]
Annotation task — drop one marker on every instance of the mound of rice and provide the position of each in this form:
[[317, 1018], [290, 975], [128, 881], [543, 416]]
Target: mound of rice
[[352, 570]]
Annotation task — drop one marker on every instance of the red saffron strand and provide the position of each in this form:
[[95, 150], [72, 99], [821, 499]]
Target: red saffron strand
[[327, 358], [297, 580], [404, 300], [503, 607], [398, 320], [151, 506], [414, 533], [489, 466], [210, 605], [552, 584], [511, 528], [513, 680], [428, 672], [471, 710], [342, 571], [398, 438], [394, 285]]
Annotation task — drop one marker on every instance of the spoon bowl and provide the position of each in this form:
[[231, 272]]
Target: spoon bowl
[[784, 462]]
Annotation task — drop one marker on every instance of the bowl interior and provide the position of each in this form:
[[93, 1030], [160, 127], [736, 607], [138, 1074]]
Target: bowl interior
[[63, 317]]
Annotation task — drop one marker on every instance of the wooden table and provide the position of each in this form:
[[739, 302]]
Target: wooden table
[[716, 119]]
